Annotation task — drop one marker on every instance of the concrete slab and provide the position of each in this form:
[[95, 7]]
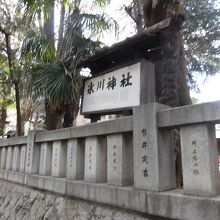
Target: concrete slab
[[16, 177]]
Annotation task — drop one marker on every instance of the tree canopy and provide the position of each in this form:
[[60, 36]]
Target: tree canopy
[[35, 54], [202, 37], [201, 34]]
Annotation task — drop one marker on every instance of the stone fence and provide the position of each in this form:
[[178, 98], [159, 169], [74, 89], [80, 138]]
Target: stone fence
[[127, 163]]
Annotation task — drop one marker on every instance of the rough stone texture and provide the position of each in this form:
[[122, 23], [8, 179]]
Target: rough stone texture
[[20, 203]]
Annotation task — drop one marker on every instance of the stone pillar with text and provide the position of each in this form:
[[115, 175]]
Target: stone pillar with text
[[3, 157], [96, 159], [154, 161], [59, 159], [45, 159], [32, 154], [120, 159], [16, 158], [9, 157], [75, 159], [22, 158], [200, 160]]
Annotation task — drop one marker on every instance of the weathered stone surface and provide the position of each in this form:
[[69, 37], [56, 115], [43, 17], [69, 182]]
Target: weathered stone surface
[[3, 157], [75, 159], [200, 160], [20, 203], [154, 163], [59, 157], [96, 159], [16, 158], [32, 154], [120, 159], [22, 158], [45, 159], [10, 151]]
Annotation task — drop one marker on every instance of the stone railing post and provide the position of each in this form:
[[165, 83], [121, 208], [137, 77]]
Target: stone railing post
[[32, 154], [16, 158], [200, 160], [75, 159], [154, 164], [59, 159], [45, 159], [3, 158], [95, 159], [120, 159], [9, 158], [22, 158]]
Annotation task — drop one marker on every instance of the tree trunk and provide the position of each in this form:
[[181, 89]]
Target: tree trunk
[[184, 94], [53, 119], [15, 81], [3, 116], [138, 18], [19, 130], [49, 24], [61, 30]]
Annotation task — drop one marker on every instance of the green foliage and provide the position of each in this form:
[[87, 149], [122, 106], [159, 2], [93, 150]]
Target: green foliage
[[34, 7], [202, 36], [36, 47], [102, 3], [51, 81], [58, 78], [93, 24]]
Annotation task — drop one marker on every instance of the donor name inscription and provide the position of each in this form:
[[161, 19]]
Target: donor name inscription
[[114, 91]]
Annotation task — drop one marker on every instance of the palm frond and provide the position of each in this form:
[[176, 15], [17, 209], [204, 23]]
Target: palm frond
[[93, 24], [34, 7], [74, 51], [37, 47], [51, 81], [101, 3]]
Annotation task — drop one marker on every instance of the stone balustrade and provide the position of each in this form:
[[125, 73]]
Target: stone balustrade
[[127, 162]]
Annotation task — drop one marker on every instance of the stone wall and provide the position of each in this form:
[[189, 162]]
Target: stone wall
[[21, 203]]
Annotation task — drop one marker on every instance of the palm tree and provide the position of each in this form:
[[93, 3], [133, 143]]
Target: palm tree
[[53, 70]]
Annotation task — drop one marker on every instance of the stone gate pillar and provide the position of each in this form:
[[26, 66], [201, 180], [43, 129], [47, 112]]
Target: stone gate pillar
[[154, 164]]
